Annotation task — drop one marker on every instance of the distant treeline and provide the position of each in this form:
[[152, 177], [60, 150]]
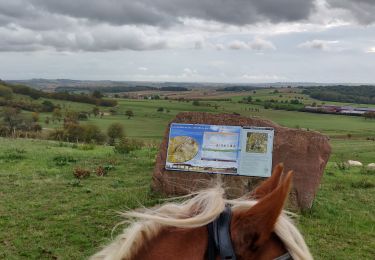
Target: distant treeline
[[114, 89], [174, 89], [237, 88], [118, 89], [364, 94], [35, 94]]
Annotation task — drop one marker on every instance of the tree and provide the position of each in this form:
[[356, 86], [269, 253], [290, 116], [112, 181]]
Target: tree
[[11, 117], [160, 109], [46, 120], [369, 115], [5, 92], [115, 131], [92, 133], [82, 116], [126, 145], [129, 113], [73, 132], [71, 117], [47, 106], [95, 111], [35, 116], [196, 103], [56, 114], [97, 94], [13, 121]]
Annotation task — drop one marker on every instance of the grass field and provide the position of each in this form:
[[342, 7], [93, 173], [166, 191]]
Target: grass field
[[148, 123], [46, 213]]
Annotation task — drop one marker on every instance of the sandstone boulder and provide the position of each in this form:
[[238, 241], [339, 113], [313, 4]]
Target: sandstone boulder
[[304, 152]]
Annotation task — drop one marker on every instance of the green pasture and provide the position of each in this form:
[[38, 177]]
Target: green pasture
[[46, 213], [148, 123], [288, 94]]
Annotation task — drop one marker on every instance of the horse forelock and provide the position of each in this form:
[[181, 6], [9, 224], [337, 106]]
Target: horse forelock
[[199, 210]]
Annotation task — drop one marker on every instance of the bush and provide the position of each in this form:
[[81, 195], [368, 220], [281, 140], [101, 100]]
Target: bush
[[81, 173], [127, 145], [115, 131], [100, 171], [92, 133], [129, 113], [6, 92], [82, 116], [47, 106], [57, 134], [73, 132]]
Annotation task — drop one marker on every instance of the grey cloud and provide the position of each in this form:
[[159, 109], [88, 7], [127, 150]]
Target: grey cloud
[[238, 45], [362, 10], [167, 12], [258, 44], [101, 38], [318, 44], [261, 44], [111, 11], [103, 25]]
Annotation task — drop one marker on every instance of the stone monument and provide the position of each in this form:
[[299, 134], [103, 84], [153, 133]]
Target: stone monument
[[304, 152]]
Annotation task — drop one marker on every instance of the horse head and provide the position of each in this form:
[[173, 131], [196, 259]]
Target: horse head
[[258, 227]]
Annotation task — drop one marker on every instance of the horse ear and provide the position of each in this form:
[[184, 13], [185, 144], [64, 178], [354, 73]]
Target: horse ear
[[268, 185], [257, 224]]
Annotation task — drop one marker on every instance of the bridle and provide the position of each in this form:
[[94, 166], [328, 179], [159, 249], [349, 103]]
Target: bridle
[[219, 241]]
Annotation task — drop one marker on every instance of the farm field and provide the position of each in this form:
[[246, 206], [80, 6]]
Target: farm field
[[46, 213], [148, 123]]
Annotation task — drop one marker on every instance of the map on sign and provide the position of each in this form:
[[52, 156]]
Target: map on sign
[[220, 149]]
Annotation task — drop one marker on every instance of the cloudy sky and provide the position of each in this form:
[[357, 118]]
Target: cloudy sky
[[189, 40]]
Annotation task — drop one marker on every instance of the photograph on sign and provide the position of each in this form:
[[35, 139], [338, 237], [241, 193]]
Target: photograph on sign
[[203, 148], [256, 151], [220, 149]]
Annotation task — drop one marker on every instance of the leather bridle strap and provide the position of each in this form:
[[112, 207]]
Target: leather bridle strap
[[219, 239], [285, 256]]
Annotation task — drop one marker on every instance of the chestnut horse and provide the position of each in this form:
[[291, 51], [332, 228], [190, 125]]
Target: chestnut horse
[[259, 228]]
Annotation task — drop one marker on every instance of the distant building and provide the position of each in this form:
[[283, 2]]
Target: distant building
[[334, 109]]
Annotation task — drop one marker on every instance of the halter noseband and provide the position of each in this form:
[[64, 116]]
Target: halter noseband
[[219, 241]]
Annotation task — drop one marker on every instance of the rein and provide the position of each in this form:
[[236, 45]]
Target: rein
[[219, 241]]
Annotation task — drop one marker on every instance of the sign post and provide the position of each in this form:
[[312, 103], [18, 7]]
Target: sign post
[[220, 149]]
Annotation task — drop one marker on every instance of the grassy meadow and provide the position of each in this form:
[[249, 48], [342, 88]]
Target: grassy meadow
[[46, 213]]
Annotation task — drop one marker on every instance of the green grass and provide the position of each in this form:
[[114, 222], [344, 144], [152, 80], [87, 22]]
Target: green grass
[[341, 222], [45, 212], [148, 123]]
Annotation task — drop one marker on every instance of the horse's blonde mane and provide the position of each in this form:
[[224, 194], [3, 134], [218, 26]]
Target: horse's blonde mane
[[201, 209]]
